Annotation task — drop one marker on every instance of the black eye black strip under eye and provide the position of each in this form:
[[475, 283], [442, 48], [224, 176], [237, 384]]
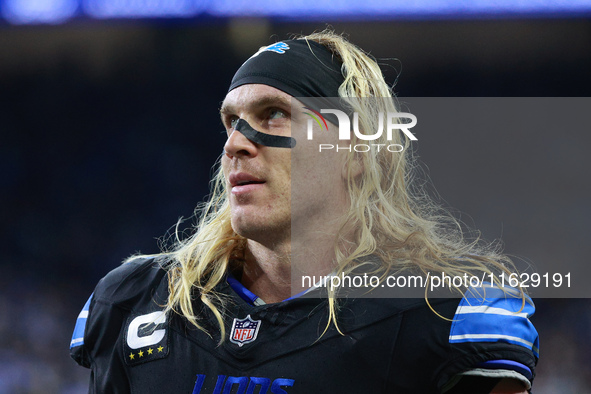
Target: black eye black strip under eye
[[274, 141]]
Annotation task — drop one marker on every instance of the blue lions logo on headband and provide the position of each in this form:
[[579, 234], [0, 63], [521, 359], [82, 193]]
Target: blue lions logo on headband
[[279, 47]]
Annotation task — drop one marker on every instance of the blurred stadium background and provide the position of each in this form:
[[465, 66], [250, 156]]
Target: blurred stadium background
[[109, 128]]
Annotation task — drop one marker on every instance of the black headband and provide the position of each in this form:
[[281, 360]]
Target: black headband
[[300, 68]]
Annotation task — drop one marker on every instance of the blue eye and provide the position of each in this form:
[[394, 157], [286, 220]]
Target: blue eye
[[234, 122]]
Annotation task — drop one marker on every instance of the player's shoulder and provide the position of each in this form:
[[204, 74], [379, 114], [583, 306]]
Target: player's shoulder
[[495, 315], [132, 280], [492, 328], [138, 284]]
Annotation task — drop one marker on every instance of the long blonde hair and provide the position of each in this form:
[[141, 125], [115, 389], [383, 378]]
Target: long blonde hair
[[390, 215]]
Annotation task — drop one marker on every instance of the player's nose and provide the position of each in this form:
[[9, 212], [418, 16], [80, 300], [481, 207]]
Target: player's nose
[[238, 145]]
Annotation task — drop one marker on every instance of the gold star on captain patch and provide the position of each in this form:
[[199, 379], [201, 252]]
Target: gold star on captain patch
[[131, 356], [160, 348], [150, 350], [141, 353]]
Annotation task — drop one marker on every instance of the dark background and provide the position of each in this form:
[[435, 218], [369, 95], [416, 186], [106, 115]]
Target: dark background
[[108, 132]]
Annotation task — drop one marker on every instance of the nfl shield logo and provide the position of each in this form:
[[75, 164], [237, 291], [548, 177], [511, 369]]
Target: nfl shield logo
[[244, 330]]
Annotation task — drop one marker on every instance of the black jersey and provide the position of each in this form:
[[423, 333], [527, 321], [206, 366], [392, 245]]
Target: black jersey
[[389, 346]]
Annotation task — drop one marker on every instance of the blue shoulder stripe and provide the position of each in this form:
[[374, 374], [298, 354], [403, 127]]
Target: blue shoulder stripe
[[491, 314], [507, 364], [78, 335]]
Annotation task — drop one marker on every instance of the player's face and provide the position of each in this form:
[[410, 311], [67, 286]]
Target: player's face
[[257, 176], [272, 188]]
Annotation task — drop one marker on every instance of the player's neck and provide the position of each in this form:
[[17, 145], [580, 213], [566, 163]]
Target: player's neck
[[274, 274], [266, 271]]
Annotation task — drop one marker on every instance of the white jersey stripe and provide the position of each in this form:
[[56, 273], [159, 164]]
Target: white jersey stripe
[[492, 336], [489, 310]]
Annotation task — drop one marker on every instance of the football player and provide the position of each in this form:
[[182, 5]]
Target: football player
[[220, 314]]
